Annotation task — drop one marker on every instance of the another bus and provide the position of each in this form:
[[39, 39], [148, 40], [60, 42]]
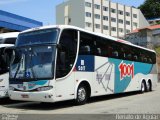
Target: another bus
[[6, 40], [57, 63]]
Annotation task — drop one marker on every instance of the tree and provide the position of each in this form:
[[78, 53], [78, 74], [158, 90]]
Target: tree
[[150, 9]]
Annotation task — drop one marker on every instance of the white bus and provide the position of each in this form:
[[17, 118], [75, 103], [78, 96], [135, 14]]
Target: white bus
[[57, 63], [6, 40]]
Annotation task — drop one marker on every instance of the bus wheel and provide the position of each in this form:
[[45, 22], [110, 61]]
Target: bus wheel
[[149, 86], [82, 95], [143, 87]]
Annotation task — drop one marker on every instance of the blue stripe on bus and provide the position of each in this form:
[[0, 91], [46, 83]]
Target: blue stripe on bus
[[85, 63], [121, 84]]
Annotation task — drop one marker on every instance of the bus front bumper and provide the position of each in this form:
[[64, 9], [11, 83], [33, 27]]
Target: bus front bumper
[[43, 96]]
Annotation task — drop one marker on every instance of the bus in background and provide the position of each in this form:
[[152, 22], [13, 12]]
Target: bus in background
[[6, 40], [57, 63]]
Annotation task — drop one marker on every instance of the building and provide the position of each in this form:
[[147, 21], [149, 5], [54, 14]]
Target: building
[[100, 16], [10, 22], [147, 37], [154, 21]]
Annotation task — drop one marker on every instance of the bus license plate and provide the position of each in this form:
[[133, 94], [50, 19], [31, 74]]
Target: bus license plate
[[25, 96]]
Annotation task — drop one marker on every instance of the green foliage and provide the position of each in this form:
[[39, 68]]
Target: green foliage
[[157, 49], [150, 9]]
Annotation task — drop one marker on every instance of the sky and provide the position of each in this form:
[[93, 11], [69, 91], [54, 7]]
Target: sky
[[45, 10]]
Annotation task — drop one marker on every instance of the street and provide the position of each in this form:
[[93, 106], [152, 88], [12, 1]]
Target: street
[[128, 103]]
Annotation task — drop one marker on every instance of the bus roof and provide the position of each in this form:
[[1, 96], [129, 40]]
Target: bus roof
[[9, 35], [6, 45], [87, 31]]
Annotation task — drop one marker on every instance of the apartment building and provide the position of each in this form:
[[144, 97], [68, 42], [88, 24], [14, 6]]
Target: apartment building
[[101, 16]]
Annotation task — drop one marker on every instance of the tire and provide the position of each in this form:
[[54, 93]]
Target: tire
[[149, 86], [82, 95], [143, 87]]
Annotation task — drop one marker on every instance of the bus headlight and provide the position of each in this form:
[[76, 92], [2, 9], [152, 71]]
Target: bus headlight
[[11, 88], [45, 88]]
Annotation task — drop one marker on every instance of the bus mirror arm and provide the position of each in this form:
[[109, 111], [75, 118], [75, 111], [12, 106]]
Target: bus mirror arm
[[59, 46]]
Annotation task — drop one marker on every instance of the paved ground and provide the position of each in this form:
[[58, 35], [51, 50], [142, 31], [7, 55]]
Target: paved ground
[[130, 103]]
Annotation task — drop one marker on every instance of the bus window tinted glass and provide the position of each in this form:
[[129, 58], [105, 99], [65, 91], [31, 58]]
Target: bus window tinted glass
[[38, 37], [10, 41]]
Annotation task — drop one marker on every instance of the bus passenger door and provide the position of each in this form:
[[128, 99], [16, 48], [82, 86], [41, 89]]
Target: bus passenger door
[[66, 56]]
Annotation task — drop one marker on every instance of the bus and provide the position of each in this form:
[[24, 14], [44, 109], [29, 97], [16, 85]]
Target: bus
[[63, 62], [6, 40]]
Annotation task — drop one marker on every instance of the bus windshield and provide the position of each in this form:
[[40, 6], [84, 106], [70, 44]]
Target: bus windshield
[[33, 62], [38, 37], [1, 40], [3, 65]]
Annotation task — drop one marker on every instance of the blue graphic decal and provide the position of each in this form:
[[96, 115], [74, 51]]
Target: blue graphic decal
[[35, 83], [85, 63], [125, 71]]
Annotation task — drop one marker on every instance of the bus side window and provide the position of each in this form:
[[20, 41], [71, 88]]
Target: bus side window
[[135, 57], [129, 56], [115, 54], [110, 50], [85, 50], [10, 41], [99, 52]]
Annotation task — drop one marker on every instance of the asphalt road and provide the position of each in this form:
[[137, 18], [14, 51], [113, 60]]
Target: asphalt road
[[128, 103]]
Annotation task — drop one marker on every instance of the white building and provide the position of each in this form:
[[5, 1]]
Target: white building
[[100, 16]]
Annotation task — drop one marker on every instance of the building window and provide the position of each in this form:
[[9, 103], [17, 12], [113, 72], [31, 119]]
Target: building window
[[87, 4], [88, 24], [97, 6], [105, 27], [113, 29], [135, 15], [120, 30], [128, 31], [120, 21], [88, 14], [97, 26], [105, 8], [105, 18], [135, 24], [127, 14], [120, 12], [127, 22], [113, 19], [113, 10], [97, 16]]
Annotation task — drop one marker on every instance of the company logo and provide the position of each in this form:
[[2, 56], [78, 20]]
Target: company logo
[[24, 88], [126, 70]]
